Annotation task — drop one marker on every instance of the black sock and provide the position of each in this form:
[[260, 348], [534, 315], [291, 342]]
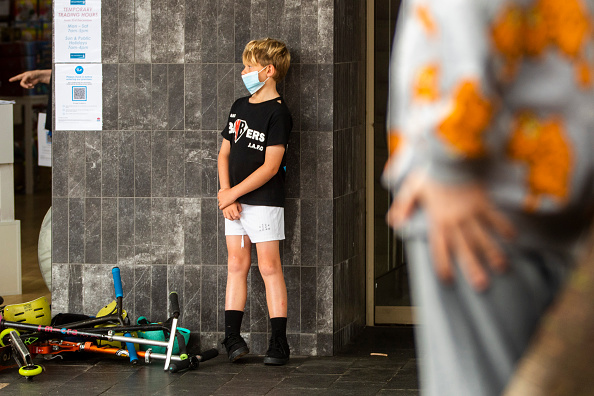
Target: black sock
[[279, 327], [233, 322]]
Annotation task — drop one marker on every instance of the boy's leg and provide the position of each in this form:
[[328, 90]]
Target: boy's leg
[[238, 265], [269, 263]]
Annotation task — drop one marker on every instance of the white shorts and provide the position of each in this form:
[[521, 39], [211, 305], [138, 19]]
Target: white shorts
[[259, 223]]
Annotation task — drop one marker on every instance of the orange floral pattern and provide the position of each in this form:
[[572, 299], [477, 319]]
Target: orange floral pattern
[[394, 141], [543, 146], [506, 33], [464, 127], [535, 31], [426, 19], [427, 84], [583, 73], [566, 25]]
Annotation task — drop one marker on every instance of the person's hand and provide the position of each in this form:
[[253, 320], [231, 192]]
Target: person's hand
[[226, 197], [31, 78], [233, 211], [462, 225]]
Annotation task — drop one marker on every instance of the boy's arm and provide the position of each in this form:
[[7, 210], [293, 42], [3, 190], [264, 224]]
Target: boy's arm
[[272, 161], [231, 212], [223, 165]]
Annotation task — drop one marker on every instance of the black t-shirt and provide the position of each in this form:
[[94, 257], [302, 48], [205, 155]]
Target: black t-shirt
[[251, 128]]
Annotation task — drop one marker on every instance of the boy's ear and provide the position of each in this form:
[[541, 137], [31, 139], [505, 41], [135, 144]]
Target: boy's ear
[[271, 72]]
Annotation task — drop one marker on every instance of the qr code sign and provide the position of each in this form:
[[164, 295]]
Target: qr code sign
[[79, 93]]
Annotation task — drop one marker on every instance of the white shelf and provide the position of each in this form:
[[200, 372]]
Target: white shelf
[[10, 251], [10, 229]]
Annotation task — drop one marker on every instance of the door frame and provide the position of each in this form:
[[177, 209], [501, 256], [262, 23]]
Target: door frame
[[375, 314], [369, 163]]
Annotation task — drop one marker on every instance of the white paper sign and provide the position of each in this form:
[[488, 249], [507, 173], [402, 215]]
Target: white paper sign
[[44, 142], [77, 31], [79, 97]]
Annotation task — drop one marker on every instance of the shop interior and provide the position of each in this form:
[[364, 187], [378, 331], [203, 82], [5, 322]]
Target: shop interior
[[26, 44]]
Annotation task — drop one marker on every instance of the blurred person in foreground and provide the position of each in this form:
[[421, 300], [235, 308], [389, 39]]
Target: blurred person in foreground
[[491, 129]]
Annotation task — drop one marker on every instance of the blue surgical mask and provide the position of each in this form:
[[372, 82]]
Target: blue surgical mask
[[252, 82]]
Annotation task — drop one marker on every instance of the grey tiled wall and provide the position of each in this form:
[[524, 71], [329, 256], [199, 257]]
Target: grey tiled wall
[[349, 170], [141, 194]]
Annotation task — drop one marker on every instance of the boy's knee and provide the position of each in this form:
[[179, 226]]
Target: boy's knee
[[238, 264], [269, 267]]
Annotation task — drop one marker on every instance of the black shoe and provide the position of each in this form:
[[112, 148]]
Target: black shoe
[[235, 346], [278, 352]]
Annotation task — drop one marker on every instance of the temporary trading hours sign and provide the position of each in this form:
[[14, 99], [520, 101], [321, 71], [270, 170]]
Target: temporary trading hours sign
[[77, 30]]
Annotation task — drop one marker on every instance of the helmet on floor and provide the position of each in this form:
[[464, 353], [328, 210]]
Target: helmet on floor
[[33, 312], [111, 309]]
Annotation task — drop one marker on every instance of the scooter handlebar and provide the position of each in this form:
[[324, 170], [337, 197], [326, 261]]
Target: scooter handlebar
[[131, 350], [117, 282], [193, 361], [209, 354], [173, 300]]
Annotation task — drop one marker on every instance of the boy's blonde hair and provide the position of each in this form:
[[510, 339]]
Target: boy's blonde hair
[[268, 52]]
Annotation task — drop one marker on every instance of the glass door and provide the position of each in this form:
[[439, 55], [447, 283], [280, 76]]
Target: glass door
[[388, 276]]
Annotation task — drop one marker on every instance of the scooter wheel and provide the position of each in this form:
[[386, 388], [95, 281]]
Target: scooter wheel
[[30, 371], [4, 335]]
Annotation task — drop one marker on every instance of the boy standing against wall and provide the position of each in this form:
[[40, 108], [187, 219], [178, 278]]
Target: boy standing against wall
[[252, 178]]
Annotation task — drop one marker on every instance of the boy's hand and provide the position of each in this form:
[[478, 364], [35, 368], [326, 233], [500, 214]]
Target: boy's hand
[[233, 211], [463, 223], [226, 197]]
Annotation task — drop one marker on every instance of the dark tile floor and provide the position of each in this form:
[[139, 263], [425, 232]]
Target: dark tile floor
[[353, 371]]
